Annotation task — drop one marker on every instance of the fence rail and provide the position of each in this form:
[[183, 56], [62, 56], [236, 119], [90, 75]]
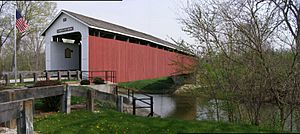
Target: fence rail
[[34, 76], [130, 93]]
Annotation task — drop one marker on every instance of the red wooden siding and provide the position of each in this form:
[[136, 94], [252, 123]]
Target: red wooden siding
[[132, 61]]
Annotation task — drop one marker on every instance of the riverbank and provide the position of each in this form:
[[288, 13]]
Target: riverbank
[[163, 85], [110, 121]]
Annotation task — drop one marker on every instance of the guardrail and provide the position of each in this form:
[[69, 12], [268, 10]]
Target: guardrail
[[130, 93]]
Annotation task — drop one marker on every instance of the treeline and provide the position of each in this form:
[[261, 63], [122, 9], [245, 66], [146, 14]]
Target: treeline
[[30, 49], [248, 57]]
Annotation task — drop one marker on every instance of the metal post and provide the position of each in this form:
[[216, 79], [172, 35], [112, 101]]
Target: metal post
[[47, 75], [133, 106], [78, 75], [106, 76], [35, 77], [58, 75], [111, 76], [117, 90], [128, 93], [7, 80], [21, 78], [15, 69], [114, 77], [69, 75], [151, 103]]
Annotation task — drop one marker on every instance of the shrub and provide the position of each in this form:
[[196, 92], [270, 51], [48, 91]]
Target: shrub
[[85, 82], [49, 103], [98, 80]]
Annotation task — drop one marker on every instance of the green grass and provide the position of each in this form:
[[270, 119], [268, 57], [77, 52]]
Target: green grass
[[21, 85], [158, 85], [13, 86], [109, 121], [77, 100]]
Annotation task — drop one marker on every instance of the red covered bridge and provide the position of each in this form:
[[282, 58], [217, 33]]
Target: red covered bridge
[[78, 42]]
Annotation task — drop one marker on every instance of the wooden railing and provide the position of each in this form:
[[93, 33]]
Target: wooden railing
[[16, 105], [130, 93], [34, 76], [107, 75]]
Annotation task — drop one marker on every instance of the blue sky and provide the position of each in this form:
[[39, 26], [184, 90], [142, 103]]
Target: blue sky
[[155, 17]]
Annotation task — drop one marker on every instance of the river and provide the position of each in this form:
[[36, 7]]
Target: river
[[200, 108]]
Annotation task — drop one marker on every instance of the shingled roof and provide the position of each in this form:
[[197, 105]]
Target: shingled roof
[[92, 22]]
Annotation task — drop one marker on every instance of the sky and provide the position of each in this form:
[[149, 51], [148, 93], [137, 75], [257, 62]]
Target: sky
[[155, 17]]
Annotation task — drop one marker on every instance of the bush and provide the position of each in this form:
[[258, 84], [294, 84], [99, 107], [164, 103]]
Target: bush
[[98, 80], [49, 103], [85, 82]]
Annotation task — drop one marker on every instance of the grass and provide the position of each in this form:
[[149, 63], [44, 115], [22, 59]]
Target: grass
[[158, 85], [110, 121], [21, 85], [13, 86]]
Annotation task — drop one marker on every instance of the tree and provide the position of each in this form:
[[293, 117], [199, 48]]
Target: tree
[[6, 28], [240, 56], [37, 14], [29, 43]]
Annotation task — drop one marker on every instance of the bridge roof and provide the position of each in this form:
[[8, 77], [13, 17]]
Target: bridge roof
[[110, 27]]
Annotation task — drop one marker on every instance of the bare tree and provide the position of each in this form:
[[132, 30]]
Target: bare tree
[[240, 55]]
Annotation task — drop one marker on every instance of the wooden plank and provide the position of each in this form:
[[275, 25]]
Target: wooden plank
[[9, 110], [104, 96], [8, 105], [78, 91], [37, 92], [28, 116], [90, 100], [4, 97], [12, 123], [8, 115], [66, 101]]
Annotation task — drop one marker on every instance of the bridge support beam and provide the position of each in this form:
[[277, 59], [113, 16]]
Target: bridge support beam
[[66, 100], [90, 100]]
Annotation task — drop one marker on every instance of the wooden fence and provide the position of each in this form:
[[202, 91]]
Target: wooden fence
[[34, 76], [16, 105]]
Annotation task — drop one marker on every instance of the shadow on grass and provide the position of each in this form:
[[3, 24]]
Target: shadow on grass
[[161, 86]]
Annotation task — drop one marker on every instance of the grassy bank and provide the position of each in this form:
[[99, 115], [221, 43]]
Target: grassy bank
[[109, 121], [154, 86]]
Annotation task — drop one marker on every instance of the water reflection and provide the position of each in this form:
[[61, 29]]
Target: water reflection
[[201, 108]]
